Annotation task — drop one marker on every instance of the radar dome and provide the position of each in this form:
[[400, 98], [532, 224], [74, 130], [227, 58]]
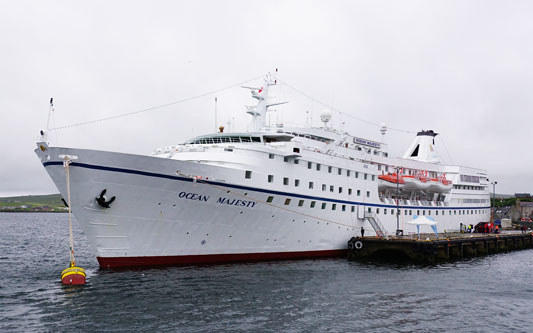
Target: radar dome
[[325, 116]]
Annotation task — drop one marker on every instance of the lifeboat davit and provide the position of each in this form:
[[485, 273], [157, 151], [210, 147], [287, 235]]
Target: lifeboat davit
[[391, 181]]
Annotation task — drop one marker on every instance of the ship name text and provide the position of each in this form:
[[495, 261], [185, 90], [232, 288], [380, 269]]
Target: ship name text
[[236, 202], [193, 196]]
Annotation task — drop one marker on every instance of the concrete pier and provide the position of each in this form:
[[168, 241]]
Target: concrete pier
[[437, 250]]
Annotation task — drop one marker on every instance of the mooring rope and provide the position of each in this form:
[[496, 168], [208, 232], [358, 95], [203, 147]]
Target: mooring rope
[[66, 164]]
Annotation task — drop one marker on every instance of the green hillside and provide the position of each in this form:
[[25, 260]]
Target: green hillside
[[33, 203]]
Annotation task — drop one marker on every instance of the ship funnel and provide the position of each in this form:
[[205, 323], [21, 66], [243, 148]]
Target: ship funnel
[[423, 148]]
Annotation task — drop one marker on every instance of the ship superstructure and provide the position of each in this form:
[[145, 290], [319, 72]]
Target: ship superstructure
[[272, 193]]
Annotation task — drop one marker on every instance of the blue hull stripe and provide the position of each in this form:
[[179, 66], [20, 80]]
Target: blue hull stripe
[[247, 188]]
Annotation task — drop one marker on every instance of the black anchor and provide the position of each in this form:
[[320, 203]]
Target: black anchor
[[102, 201]]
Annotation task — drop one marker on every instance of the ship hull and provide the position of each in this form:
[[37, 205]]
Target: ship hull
[[164, 215]]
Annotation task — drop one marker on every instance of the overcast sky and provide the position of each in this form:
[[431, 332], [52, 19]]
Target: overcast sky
[[461, 68]]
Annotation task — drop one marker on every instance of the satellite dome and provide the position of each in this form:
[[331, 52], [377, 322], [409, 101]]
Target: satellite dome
[[325, 116]]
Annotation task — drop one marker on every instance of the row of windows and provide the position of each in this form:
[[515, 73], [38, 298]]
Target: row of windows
[[465, 187], [311, 186], [330, 169], [333, 206], [226, 139]]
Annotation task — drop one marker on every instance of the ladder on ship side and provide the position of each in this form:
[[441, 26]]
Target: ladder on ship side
[[374, 221]]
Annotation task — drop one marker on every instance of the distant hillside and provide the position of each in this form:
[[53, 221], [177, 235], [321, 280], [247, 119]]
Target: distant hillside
[[33, 203]]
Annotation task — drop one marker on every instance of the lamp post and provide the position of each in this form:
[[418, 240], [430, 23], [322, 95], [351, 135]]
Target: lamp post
[[397, 201], [493, 200]]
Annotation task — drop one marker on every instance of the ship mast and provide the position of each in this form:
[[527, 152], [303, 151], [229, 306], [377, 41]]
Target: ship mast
[[259, 110]]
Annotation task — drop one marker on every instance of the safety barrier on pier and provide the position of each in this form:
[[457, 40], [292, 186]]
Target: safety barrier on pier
[[436, 250]]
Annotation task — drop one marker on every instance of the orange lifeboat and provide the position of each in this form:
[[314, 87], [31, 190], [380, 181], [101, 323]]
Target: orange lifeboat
[[390, 181]]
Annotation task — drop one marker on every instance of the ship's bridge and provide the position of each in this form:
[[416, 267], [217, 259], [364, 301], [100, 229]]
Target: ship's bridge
[[241, 138]]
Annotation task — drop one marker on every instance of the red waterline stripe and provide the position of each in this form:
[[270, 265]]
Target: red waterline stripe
[[111, 262]]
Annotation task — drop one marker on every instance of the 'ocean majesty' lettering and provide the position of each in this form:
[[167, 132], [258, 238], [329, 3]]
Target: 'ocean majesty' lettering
[[221, 200], [236, 202], [193, 196]]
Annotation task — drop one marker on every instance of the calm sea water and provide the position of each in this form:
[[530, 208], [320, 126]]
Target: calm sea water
[[493, 293]]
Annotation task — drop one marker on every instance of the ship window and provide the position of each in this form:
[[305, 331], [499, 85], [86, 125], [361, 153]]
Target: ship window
[[392, 211], [373, 177], [349, 191], [356, 174], [368, 194], [324, 187], [228, 149], [340, 171], [370, 209], [418, 212], [270, 178], [247, 174], [296, 182], [429, 212], [379, 167], [256, 139], [285, 159], [410, 212], [405, 212], [343, 208], [310, 185], [312, 204], [377, 210], [318, 167], [423, 212], [358, 193], [331, 188], [340, 189], [385, 211], [271, 156], [329, 169], [285, 181], [333, 206], [296, 150], [309, 165], [296, 161], [450, 212], [287, 201], [300, 203], [323, 205], [270, 198], [366, 176], [353, 209], [436, 212], [347, 173]]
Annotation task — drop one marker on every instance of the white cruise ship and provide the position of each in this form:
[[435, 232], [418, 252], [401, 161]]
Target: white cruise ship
[[273, 193]]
